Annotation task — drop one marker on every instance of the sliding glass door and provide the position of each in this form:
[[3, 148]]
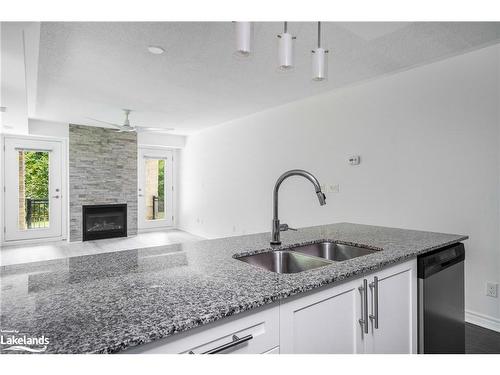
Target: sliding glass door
[[155, 190]]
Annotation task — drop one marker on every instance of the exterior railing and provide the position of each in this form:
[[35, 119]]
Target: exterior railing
[[158, 208], [37, 213]]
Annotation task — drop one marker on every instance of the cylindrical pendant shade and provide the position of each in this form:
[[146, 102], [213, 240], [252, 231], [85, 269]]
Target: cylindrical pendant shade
[[319, 64], [243, 38], [285, 50]]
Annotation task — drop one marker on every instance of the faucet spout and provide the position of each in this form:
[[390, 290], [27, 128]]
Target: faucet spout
[[276, 228], [321, 198]]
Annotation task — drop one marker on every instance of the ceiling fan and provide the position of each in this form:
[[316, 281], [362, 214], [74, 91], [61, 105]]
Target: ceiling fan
[[126, 127]]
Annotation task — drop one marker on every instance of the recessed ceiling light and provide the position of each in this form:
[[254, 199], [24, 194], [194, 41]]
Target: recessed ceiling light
[[156, 50]]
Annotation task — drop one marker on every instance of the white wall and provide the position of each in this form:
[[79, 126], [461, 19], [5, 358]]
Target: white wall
[[163, 140], [19, 69], [429, 141], [48, 128], [13, 78]]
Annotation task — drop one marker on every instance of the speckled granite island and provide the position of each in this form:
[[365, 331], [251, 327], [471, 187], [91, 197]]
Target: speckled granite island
[[109, 302]]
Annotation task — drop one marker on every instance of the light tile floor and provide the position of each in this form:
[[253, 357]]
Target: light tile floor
[[20, 254]]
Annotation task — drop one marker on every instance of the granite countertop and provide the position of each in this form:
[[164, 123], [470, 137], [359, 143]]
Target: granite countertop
[[108, 302]]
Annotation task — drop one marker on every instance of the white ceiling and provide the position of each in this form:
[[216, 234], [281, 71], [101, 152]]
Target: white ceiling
[[95, 69]]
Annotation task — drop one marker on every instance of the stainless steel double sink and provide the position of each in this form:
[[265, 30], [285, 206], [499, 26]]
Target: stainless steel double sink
[[306, 257]]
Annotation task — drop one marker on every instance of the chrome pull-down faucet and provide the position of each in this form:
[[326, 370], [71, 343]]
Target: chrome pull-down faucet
[[277, 228]]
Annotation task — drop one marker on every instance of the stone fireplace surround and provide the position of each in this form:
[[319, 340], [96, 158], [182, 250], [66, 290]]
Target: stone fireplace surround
[[102, 170]]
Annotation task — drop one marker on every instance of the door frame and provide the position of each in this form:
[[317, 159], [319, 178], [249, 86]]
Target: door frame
[[64, 188], [160, 152]]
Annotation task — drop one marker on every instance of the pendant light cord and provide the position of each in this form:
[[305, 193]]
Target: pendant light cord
[[319, 34], [285, 27]]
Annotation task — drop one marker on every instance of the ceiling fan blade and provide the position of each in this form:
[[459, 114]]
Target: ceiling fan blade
[[105, 122], [143, 129]]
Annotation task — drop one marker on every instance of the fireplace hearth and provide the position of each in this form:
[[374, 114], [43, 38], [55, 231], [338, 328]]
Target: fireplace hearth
[[104, 221]]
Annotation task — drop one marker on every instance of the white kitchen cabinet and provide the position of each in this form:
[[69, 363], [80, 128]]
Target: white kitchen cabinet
[[322, 321], [397, 310], [328, 320], [262, 324]]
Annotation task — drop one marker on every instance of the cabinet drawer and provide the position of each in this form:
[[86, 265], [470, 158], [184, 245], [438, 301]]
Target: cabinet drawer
[[251, 332]]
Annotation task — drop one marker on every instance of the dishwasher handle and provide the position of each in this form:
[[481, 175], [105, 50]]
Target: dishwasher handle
[[440, 259]]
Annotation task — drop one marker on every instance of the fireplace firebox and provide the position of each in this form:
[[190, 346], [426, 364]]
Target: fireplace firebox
[[104, 221]]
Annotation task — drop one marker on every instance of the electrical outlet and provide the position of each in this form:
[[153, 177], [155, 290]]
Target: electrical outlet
[[354, 159], [492, 289]]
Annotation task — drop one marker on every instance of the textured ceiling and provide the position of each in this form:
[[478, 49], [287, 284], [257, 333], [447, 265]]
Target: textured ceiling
[[95, 69]]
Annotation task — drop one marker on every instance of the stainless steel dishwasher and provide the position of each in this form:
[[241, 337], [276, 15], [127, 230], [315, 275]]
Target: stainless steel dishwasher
[[441, 316]]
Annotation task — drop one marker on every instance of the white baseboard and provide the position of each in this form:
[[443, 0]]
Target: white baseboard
[[38, 241], [482, 320], [157, 229]]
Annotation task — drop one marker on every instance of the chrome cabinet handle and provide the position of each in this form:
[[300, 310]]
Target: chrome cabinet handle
[[235, 341], [374, 288], [364, 306]]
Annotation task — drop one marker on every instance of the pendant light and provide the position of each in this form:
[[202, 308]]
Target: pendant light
[[285, 49], [243, 38], [319, 60]]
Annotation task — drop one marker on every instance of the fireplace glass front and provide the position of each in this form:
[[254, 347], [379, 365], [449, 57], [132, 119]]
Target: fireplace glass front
[[104, 221]]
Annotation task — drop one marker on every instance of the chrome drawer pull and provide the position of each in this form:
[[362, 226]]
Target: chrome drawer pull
[[236, 341]]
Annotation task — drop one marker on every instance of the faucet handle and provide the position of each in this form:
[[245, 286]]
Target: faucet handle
[[285, 227]]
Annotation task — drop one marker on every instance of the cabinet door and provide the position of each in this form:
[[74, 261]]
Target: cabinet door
[[324, 321], [397, 310]]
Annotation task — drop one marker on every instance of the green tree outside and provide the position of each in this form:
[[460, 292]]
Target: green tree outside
[[36, 167], [161, 179]]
